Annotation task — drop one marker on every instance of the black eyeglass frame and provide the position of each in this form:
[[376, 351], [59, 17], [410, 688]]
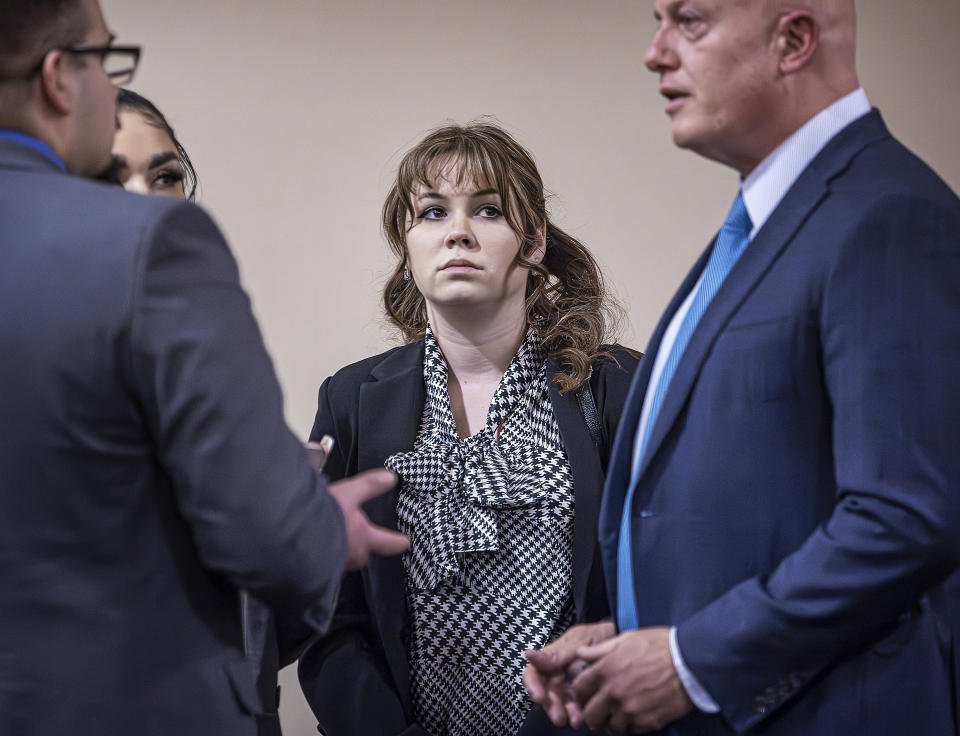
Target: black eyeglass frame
[[131, 51]]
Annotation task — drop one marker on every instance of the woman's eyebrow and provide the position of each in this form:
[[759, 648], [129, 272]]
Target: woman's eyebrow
[[159, 159]]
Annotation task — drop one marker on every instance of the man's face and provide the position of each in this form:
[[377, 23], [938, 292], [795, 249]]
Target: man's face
[[718, 72], [95, 120]]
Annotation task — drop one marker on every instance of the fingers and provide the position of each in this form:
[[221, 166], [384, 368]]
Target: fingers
[[533, 684], [597, 711], [545, 660], [574, 714], [558, 654], [600, 631], [364, 486], [587, 683], [550, 692], [593, 652], [383, 541], [556, 709]]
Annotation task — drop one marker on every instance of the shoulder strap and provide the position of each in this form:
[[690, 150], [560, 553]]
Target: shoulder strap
[[589, 409]]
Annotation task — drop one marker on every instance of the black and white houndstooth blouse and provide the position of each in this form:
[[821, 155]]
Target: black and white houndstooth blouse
[[489, 572]]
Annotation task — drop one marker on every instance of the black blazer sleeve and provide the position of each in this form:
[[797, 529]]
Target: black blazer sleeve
[[344, 675]]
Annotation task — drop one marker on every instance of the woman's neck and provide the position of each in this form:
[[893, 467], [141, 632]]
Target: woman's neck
[[478, 347]]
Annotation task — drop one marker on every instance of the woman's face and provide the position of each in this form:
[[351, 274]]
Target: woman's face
[[461, 250], [146, 158]]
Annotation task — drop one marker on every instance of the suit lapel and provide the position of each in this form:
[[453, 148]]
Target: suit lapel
[[621, 455], [797, 205], [390, 406]]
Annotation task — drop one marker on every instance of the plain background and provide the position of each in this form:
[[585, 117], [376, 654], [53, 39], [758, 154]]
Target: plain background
[[296, 112]]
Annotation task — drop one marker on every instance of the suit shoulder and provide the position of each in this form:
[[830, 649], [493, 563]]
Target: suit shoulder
[[120, 219], [349, 378], [619, 362], [896, 172]]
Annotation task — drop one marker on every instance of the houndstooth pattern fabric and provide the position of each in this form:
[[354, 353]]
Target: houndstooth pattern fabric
[[490, 567]]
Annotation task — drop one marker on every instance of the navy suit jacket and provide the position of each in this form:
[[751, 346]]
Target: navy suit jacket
[[146, 473], [357, 677], [801, 491]]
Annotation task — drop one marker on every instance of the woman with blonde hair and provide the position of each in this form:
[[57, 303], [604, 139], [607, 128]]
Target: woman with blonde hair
[[497, 414]]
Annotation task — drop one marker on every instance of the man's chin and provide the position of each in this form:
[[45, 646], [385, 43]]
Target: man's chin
[[682, 136]]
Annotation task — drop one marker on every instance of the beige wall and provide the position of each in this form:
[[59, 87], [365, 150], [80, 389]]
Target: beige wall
[[296, 111]]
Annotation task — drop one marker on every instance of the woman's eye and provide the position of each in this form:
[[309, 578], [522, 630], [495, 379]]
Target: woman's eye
[[166, 179], [489, 211], [432, 213]]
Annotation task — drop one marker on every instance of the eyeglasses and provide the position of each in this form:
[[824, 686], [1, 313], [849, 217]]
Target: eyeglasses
[[119, 62]]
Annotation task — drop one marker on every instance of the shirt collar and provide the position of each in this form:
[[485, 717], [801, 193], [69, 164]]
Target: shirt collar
[[34, 143], [771, 180]]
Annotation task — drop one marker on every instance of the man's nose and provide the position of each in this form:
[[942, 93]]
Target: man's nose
[[660, 56]]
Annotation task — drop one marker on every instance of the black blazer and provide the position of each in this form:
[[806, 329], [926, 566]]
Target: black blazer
[[356, 678], [147, 472]]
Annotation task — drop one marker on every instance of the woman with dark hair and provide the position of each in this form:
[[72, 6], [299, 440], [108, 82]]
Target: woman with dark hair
[[497, 414], [147, 157]]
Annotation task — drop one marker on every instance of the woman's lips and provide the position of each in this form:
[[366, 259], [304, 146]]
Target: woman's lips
[[459, 265]]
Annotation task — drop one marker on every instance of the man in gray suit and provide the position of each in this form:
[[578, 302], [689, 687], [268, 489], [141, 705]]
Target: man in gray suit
[[146, 473]]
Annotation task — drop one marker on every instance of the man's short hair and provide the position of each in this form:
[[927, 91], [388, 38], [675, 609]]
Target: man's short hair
[[31, 28]]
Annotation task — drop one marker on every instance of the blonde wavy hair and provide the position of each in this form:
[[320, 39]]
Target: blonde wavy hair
[[565, 297]]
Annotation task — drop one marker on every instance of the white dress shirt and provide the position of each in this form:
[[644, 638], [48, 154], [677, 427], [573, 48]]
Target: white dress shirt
[[762, 191]]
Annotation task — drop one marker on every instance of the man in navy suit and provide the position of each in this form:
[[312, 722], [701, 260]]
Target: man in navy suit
[[785, 487], [146, 473]]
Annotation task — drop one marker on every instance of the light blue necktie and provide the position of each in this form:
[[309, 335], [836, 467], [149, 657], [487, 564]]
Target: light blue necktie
[[731, 241]]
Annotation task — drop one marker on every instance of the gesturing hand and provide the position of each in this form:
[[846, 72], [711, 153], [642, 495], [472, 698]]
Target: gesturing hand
[[364, 538], [630, 683], [550, 670]]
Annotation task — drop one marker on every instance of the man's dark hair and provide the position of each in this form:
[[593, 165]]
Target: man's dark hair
[[31, 28]]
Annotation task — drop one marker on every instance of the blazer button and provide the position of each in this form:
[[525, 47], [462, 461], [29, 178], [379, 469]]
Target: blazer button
[[646, 514]]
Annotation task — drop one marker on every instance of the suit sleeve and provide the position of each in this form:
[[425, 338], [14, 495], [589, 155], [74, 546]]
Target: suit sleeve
[[259, 515], [344, 675], [890, 347]]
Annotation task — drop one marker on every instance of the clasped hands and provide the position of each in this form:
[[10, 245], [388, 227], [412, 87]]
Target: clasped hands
[[621, 683]]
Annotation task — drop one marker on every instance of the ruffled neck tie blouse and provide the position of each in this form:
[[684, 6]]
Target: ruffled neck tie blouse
[[489, 571]]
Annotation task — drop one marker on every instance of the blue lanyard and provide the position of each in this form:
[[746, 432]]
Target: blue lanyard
[[34, 143]]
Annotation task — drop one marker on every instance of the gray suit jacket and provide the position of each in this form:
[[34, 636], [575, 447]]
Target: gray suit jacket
[[147, 473]]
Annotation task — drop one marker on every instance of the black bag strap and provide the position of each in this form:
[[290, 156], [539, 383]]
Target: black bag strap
[[588, 408]]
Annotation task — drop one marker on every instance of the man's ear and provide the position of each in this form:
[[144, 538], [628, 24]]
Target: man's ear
[[58, 82], [798, 36]]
